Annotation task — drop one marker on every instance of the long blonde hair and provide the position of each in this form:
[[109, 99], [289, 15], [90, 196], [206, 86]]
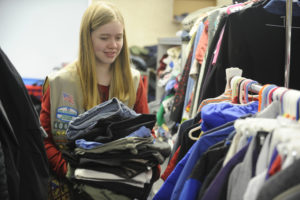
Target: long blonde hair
[[121, 86]]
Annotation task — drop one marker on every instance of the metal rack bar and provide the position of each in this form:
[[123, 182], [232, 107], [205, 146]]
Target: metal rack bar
[[288, 33]]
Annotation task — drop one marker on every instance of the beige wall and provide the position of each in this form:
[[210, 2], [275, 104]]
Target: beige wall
[[224, 2], [147, 20]]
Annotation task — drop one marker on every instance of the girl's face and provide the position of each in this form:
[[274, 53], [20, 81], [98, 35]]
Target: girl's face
[[107, 42]]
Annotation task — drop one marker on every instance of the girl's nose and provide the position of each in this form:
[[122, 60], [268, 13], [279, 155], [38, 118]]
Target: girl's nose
[[113, 43]]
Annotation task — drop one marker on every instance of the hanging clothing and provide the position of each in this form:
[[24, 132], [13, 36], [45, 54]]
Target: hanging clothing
[[22, 140], [250, 35]]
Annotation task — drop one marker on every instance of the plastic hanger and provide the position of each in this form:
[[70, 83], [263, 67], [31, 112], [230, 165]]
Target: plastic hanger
[[246, 89], [230, 73], [276, 94], [240, 86], [190, 134], [265, 95], [233, 86], [289, 103], [260, 97], [270, 100], [235, 82], [241, 90], [283, 108]]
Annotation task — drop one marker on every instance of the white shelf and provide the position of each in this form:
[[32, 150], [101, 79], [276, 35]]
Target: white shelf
[[163, 45], [169, 41]]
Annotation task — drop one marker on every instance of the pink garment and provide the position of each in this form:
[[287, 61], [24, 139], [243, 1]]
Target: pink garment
[[230, 9], [216, 53]]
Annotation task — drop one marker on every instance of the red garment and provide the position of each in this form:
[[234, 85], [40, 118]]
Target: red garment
[[56, 161], [276, 166], [171, 165]]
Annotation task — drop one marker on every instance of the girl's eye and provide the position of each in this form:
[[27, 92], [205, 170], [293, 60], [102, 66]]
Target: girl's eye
[[103, 38]]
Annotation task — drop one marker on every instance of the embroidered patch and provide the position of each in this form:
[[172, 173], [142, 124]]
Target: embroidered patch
[[65, 113], [68, 98], [58, 125]]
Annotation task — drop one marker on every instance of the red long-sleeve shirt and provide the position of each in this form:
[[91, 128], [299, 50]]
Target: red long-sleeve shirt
[[56, 161]]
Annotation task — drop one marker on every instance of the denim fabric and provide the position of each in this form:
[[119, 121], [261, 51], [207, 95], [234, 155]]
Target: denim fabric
[[98, 133], [108, 109], [115, 128], [112, 129], [141, 132], [129, 143]]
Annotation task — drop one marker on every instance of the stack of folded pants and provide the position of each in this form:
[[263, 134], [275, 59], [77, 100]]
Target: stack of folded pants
[[112, 151]]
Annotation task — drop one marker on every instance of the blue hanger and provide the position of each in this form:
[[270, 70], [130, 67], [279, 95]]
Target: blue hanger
[[278, 7]]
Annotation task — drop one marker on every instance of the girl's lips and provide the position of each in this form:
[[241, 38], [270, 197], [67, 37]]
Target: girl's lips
[[110, 54]]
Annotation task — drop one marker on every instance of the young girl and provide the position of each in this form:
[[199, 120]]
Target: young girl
[[101, 72]]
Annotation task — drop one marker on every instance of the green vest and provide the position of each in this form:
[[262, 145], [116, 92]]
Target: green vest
[[66, 100]]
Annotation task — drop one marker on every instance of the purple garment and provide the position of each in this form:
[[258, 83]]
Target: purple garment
[[218, 187]]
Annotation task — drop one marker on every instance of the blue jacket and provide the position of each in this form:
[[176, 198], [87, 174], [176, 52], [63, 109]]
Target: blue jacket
[[201, 146]]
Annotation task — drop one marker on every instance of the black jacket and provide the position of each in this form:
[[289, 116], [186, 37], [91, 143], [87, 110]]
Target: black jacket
[[21, 137]]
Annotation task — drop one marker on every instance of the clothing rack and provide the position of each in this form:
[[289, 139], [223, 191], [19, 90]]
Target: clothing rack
[[288, 30], [288, 34], [255, 88]]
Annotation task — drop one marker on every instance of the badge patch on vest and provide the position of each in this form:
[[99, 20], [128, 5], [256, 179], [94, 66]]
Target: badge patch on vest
[[68, 98], [65, 113]]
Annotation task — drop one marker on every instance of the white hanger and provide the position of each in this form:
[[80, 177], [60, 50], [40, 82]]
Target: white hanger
[[192, 131], [289, 102], [230, 73]]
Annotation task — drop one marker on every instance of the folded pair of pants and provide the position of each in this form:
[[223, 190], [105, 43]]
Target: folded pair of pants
[[112, 108], [120, 129], [120, 188], [141, 132], [162, 147], [152, 156], [128, 143], [108, 130], [123, 168], [138, 181]]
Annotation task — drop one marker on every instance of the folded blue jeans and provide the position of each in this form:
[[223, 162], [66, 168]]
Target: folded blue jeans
[[112, 108], [112, 129]]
